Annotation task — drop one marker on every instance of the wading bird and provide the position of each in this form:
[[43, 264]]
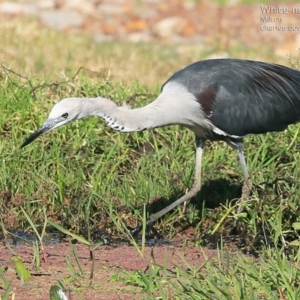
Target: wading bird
[[218, 99]]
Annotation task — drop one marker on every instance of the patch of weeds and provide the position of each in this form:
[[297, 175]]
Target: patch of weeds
[[37, 246], [229, 276], [22, 271], [5, 284]]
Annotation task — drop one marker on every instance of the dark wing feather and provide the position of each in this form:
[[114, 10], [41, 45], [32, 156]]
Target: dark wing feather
[[242, 97]]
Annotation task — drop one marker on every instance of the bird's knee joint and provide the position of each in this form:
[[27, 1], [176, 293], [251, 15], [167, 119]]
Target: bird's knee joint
[[196, 188], [248, 183]]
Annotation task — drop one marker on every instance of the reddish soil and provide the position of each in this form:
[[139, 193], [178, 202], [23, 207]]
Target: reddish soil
[[109, 261]]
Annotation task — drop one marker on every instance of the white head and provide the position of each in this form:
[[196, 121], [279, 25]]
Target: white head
[[63, 112]]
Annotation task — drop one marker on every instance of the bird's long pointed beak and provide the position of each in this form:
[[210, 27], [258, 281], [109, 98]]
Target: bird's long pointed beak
[[47, 126]]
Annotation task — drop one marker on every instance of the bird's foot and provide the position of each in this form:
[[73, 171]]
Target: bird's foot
[[240, 212], [135, 231], [246, 191], [148, 228], [150, 231]]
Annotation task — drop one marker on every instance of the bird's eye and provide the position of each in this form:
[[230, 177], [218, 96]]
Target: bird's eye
[[65, 115]]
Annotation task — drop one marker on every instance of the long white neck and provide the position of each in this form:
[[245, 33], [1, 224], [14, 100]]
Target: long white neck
[[175, 105]]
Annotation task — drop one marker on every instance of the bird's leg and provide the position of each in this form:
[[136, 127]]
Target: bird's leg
[[247, 185], [191, 193]]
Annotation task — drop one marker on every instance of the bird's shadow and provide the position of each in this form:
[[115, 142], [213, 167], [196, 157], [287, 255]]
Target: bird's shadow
[[213, 193]]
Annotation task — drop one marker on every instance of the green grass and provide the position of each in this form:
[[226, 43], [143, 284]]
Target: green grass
[[64, 169], [86, 170], [226, 277]]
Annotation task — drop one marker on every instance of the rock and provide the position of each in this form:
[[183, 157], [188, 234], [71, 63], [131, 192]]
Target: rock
[[61, 19], [110, 8], [136, 24], [85, 7], [45, 4], [168, 26], [13, 8]]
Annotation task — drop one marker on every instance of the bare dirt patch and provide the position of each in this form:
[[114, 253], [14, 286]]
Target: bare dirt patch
[[109, 261]]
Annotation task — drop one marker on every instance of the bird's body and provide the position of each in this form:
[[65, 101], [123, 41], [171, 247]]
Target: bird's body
[[218, 99], [242, 97]]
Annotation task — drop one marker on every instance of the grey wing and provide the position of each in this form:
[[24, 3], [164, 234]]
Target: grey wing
[[258, 100]]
